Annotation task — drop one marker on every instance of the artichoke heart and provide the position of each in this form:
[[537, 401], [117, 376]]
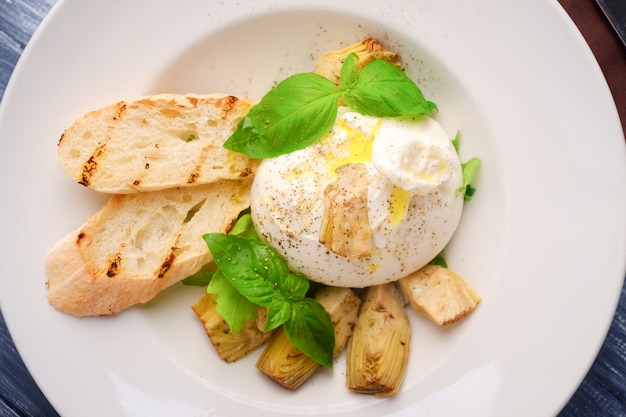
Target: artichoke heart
[[378, 351], [329, 64], [288, 366], [345, 228], [440, 294], [230, 346]]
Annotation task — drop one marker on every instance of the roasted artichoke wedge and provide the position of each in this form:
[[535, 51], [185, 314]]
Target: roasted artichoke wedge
[[230, 346], [378, 351], [329, 64], [345, 228], [440, 294], [288, 366]]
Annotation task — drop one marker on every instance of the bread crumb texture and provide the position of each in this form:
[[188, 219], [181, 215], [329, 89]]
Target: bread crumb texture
[[156, 142], [138, 244]]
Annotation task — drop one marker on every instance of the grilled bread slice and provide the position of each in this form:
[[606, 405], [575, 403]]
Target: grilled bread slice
[[156, 142], [139, 244]]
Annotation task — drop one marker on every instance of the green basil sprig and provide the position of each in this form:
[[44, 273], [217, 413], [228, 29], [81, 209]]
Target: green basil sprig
[[301, 109], [469, 169], [251, 269]]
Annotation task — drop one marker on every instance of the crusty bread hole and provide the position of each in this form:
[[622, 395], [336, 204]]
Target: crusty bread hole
[[192, 211], [170, 112], [186, 135]]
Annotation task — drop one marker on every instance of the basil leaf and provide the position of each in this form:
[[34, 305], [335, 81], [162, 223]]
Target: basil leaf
[[469, 192], [470, 170], [293, 115], [244, 227], [199, 279], [254, 268], [456, 142], [439, 260], [348, 74], [301, 109], [278, 313], [384, 90], [297, 286], [311, 330], [261, 275], [231, 305]]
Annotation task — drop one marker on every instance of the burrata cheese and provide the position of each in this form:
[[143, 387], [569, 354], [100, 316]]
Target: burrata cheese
[[413, 203]]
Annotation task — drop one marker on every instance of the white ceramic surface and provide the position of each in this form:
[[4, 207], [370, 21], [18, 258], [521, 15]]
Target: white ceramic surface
[[543, 240]]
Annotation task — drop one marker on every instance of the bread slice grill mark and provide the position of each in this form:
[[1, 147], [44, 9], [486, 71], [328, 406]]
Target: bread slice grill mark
[[142, 242], [139, 244], [156, 142]]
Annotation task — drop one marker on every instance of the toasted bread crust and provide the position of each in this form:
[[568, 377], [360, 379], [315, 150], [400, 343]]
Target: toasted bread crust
[[156, 142], [139, 244]]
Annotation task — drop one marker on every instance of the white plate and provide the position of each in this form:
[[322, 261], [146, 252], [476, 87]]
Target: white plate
[[543, 240]]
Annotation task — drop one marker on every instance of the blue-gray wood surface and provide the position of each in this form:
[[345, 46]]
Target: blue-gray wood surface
[[602, 392]]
